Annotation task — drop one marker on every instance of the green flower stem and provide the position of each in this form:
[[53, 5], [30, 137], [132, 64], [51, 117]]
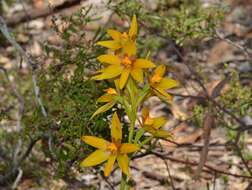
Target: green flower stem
[[132, 114], [146, 141], [132, 126], [124, 185]]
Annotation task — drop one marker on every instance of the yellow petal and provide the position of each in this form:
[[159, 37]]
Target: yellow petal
[[109, 72], [103, 108], [109, 165], [128, 148], [124, 77], [95, 142], [145, 112], [111, 44], [117, 84], [110, 59], [162, 94], [97, 77], [133, 28], [159, 122], [95, 158], [143, 63], [162, 134], [167, 83], [123, 162], [137, 74], [116, 130], [105, 98], [149, 129], [160, 70], [130, 48], [114, 34]]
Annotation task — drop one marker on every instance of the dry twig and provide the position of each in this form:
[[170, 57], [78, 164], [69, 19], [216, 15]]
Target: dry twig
[[28, 59], [39, 13], [207, 127]]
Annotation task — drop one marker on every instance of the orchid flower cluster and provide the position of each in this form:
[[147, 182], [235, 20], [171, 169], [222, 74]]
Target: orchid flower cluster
[[134, 83]]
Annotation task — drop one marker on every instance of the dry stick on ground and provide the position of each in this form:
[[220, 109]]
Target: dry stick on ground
[[207, 126], [39, 13], [208, 121]]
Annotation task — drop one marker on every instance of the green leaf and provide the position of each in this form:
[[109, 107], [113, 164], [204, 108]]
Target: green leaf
[[133, 91], [141, 96], [139, 134], [102, 109], [127, 108]]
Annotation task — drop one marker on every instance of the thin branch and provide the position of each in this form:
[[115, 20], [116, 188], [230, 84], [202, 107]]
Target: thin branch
[[207, 169], [199, 79], [18, 178], [188, 96], [28, 59], [16, 152], [169, 174], [237, 148], [39, 13], [210, 168], [236, 45], [18, 95], [18, 161], [207, 127], [14, 168], [108, 182], [168, 171], [154, 176], [243, 126], [214, 181]]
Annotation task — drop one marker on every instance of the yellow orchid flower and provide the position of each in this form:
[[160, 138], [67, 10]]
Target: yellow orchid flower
[[110, 151], [108, 98], [123, 66], [160, 84], [153, 125], [125, 41]]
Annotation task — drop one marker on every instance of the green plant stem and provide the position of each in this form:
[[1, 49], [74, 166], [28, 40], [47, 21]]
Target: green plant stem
[[131, 131], [124, 185], [146, 141]]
